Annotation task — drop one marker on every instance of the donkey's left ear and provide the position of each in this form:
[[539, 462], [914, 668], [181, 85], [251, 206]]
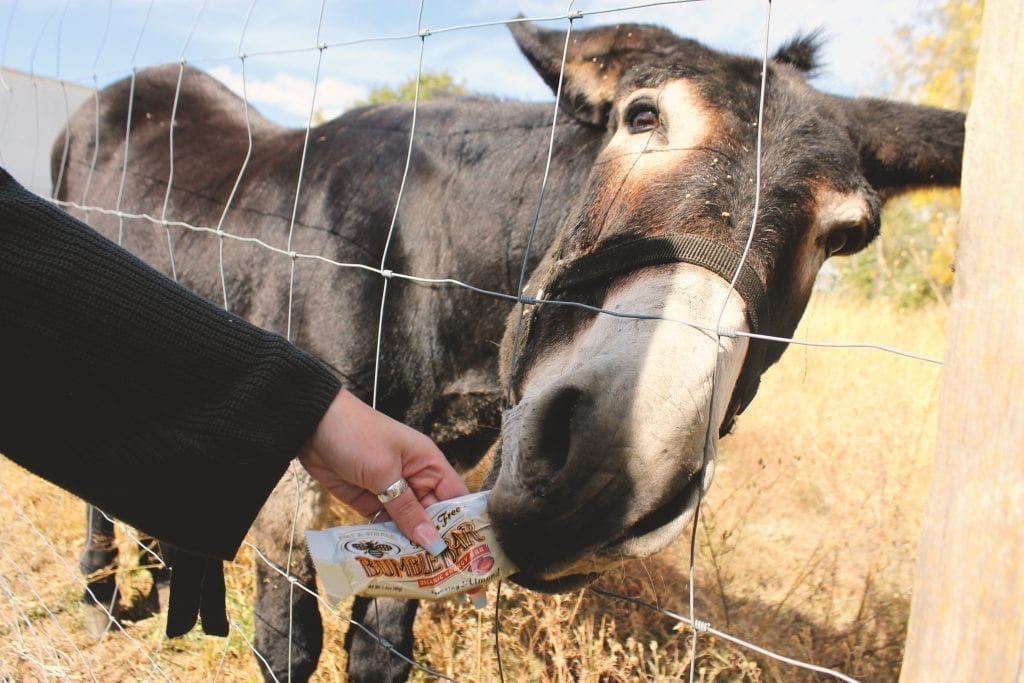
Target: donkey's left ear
[[905, 146], [595, 61]]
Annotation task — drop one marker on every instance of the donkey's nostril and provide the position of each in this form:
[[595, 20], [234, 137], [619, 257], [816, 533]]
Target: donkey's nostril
[[555, 433]]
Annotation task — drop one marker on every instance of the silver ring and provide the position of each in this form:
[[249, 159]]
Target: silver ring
[[393, 491]]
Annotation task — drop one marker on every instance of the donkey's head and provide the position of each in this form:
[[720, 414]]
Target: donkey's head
[[615, 420]]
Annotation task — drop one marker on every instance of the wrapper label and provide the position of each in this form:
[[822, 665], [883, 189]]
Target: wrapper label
[[377, 560]]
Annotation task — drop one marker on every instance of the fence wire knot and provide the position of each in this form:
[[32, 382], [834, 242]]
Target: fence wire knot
[[387, 274], [701, 626]]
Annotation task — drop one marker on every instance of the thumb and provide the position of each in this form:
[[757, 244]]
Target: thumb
[[412, 520]]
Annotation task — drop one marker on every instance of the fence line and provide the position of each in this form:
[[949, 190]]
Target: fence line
[[519, 298], [508, 296], [704, 627], [72, 571], [12, 598], [398, 204], [420, 33], [707, 455], [383, 642]]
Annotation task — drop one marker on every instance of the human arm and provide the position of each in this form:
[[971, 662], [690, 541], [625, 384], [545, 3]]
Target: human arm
[[168, 412], [136, 394]]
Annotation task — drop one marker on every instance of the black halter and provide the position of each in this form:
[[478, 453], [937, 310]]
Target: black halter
[[615, 260]]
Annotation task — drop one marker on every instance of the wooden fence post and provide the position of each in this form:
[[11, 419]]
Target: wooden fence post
[[967, 616]]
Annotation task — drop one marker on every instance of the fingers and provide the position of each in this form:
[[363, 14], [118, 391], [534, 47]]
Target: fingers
[[357, 453], [431, 479], [411, 518], [450, 485]]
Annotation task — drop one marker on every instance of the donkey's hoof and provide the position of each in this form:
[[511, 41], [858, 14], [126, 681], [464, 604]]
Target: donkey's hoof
[[98, 620], [152, 602]]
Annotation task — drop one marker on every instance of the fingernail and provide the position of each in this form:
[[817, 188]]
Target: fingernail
[[480, 600], [426, 535]]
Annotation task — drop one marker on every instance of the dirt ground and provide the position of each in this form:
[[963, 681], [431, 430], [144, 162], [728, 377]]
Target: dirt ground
[[805, 546]]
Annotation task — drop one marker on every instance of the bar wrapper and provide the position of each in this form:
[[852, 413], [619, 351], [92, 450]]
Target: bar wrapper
[[376, 560]]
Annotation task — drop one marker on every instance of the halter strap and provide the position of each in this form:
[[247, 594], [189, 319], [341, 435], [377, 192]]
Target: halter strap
[[628, 256], [624, 257]]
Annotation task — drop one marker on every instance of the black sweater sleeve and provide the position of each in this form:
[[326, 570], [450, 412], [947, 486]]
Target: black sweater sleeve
[[133, 393]]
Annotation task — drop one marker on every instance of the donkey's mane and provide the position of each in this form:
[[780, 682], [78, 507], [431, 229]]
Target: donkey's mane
[[803, 52]]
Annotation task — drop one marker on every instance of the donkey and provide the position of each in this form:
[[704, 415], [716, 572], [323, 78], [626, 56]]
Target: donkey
[[602, 429]]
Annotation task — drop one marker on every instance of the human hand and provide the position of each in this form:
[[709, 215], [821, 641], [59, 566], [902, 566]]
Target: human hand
[[357, 452]]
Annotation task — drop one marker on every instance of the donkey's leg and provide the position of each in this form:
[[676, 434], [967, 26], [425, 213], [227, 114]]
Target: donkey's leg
[[153, 561], [287, 615], [151, 558], [289, 632], [390, 623], [98, 563]]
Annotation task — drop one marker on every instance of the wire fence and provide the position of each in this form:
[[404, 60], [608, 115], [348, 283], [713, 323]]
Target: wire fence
[[51, 651]]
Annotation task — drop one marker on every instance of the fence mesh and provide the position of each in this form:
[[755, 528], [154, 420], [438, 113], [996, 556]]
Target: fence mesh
[[41, 584]]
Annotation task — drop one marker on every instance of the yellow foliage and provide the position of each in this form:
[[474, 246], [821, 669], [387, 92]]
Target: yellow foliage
[[428, 86], [933, 59], [943, 256], [932, 62]]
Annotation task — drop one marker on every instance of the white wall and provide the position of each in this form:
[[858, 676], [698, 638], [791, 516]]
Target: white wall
[[32, 114]]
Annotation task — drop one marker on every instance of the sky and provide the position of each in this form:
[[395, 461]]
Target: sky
[[375, 43]]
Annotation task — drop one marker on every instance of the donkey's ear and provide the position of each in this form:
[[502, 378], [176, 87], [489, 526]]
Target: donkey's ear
[[904, 146], [595, 61]]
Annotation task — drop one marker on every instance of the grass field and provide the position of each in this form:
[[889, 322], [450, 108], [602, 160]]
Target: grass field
[[805, 547]]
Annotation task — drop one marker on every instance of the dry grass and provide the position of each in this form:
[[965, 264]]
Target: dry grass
[[806, 547]]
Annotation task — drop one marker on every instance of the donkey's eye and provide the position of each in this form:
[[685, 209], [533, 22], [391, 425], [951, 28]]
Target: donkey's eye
[[643, 117], [843, 241]]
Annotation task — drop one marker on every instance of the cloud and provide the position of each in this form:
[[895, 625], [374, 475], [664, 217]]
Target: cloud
[[292, 95], [282, 59]]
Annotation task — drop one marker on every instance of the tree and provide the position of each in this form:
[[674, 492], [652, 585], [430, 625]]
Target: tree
[[433, 86], [966, 621], [931, 61]]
